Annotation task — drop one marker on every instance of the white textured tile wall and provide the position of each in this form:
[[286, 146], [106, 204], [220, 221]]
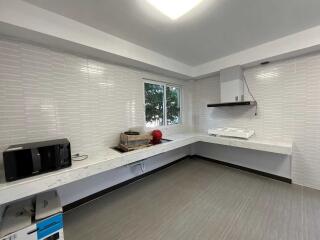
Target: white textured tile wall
[[288, 94], [47, 94]]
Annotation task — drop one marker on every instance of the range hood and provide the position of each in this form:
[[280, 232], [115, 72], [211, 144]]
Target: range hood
[[232, 89], [231, 104]]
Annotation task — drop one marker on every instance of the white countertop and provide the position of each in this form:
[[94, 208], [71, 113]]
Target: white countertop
[[111, 159], [253, 143]]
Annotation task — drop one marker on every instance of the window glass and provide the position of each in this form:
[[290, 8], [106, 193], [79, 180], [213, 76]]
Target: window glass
[[173, 105], [154, 104]]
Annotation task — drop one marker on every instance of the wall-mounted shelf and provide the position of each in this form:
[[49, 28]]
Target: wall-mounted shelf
[[109, 159], [233, 104]]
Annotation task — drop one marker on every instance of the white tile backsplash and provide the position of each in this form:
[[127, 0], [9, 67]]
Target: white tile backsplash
[[288, 94], [46, 94]]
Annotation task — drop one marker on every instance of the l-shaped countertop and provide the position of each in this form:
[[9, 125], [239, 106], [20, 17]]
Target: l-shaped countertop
[[111, 159]]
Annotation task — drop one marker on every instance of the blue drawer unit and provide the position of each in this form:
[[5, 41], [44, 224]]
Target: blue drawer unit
[[51, 228]]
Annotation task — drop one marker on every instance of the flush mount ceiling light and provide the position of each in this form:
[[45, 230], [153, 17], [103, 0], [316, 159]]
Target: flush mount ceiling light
[[174, 8]]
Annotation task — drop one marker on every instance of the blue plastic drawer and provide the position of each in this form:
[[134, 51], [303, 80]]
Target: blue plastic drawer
[[50, 225]]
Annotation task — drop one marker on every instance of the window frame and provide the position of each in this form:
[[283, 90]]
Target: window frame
[[164, 102]]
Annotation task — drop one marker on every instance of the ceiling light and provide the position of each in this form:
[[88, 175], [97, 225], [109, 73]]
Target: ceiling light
[[174, 8]]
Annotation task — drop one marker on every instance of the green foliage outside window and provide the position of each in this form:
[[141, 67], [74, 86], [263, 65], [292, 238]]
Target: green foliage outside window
[[154, 104], [173, 105]]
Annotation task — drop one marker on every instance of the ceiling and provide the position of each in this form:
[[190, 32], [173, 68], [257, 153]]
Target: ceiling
[[214, 29]]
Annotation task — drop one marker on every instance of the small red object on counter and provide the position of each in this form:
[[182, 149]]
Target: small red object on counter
[[157, 136]]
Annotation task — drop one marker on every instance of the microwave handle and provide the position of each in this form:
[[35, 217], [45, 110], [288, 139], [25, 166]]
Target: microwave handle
[[36, 160]]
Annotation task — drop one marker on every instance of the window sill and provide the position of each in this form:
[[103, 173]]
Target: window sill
[[165, 127]]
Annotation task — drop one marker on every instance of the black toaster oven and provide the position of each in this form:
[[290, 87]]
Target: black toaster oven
[[25, 160]]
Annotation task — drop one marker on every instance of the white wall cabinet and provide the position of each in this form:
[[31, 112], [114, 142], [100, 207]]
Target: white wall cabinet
[[232, 86]]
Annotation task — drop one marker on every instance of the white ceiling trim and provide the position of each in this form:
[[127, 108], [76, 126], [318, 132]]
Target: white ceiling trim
[[290, 46], [27, 16], [24, 20]]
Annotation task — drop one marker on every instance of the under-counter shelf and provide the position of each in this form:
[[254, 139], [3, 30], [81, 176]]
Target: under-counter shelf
[[253, 143]]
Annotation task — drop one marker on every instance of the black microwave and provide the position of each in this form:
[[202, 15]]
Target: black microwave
[[29, 159]]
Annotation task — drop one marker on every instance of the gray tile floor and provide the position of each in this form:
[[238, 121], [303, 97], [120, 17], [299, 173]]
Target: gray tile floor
[[197, 199]]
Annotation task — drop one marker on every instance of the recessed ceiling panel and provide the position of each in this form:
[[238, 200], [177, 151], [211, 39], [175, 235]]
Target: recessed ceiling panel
[[211, 30]]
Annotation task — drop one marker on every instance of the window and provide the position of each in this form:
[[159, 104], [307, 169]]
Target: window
[[162, 104], [173, 105], [154, 109]]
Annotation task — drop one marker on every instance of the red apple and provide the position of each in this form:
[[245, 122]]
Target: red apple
[[157, 136]]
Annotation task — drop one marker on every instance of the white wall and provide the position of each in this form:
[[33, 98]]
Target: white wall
[[288, 94], [46, 94]]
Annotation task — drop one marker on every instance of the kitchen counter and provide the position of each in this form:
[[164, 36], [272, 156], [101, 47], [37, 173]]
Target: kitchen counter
[[253, 143], [111, 159]]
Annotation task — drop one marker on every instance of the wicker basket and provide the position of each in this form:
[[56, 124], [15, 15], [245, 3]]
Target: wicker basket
[[134, 142]]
